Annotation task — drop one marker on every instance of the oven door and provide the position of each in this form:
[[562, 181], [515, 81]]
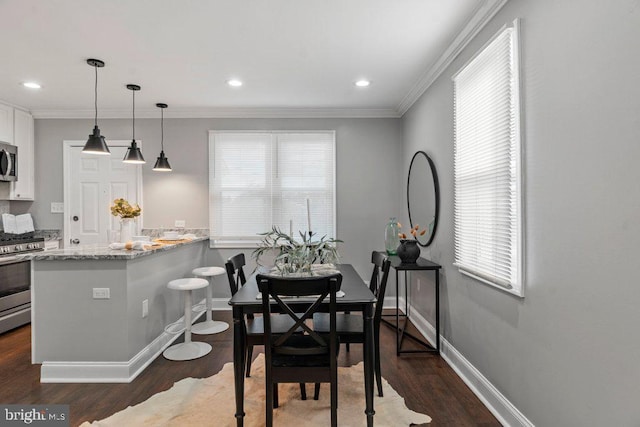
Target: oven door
[[15, 293]]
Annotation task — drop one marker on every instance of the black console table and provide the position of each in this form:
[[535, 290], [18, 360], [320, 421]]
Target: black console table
[[420, 265]]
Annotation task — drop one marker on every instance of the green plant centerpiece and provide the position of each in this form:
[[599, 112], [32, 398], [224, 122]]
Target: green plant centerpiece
[[295, 256]]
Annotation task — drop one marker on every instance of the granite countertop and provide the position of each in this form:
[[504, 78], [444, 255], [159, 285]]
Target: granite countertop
[[102, 252]]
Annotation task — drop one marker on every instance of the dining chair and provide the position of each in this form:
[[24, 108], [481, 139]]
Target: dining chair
[[350, 327], [291, 357], [254, 327]]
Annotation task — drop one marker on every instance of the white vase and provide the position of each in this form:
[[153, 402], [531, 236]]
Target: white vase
[[127, 229]]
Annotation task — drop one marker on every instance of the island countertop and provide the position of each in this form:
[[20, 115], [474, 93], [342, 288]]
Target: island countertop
[[103, 252]]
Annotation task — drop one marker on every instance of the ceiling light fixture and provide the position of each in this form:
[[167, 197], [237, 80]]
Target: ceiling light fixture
[[134, 155], [162, 164], [96, 143], [31, 85], [363, 83], [234, 83]]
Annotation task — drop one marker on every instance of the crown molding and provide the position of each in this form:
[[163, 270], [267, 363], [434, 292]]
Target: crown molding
[[207, 113], [478, 20]]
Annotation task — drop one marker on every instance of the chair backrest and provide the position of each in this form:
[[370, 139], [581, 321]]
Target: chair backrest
[[235, 273], [378, 283], [278, 292]]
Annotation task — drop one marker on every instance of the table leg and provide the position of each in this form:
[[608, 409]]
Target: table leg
[[239, 362], [368, 356], [397, 317], [437, 310]]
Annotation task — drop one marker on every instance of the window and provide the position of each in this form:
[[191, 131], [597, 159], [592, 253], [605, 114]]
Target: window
[[262, 179], [487, 169]]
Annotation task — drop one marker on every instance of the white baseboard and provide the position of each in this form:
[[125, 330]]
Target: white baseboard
[[496, 402], [109, 372]]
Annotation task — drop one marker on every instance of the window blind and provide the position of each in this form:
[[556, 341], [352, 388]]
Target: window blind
[[487, 211], [260, 180]]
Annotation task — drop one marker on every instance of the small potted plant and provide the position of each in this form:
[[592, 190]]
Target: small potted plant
[[296, 256], [127, 213], [408, 251]]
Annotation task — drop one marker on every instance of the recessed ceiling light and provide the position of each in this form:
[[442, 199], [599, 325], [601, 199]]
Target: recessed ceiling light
[[234, 83], [31, 85], [363, 83]]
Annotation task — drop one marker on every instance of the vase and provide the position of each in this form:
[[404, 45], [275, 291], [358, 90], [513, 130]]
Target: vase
[[408, 251], [127, 229], [391, 240]]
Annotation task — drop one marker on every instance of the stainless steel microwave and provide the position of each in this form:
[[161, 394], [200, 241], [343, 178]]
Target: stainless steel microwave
[[8, 162]]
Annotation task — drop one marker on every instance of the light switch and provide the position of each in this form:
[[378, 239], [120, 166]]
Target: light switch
[[180, 223], [57, 207]]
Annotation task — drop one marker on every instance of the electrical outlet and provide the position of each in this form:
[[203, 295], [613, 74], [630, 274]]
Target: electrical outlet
[[418, 285], [145, 308], [57, 207], [180, 223], [101, 293]]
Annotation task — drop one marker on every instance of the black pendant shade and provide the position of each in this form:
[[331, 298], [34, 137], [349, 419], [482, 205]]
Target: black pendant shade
[[96, 143], [162, 164], [134, 155]]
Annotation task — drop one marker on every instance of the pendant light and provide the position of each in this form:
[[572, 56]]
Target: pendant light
[[96, 143], [134, 155], [162, 164]]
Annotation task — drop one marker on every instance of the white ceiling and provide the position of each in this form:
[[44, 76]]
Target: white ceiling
[[292, 55]]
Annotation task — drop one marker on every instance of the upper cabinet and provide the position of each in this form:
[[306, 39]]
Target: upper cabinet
[[23, 188], [6, 124]]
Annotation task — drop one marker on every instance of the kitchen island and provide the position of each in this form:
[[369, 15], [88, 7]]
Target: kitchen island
[[99, 315]]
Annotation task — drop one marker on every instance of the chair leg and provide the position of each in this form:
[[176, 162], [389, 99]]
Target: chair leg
[[377, 369], [249, 356], [334, 402], [316, 392], [275, 395], [303, 391], [269, 405]]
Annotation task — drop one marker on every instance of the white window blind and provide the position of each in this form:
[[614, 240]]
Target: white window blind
[[264, 179], [487, 170]]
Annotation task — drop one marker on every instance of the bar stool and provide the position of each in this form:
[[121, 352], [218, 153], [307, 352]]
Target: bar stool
[[209, 326], [188, 350]]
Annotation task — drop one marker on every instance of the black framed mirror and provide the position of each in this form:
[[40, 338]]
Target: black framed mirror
[[423, 196]]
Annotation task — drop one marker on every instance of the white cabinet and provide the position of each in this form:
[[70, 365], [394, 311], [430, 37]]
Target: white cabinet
[[6, 124], [23, 188]]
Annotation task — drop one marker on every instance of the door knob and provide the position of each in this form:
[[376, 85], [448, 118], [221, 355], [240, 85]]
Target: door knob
[[75, 241], [75, 218]]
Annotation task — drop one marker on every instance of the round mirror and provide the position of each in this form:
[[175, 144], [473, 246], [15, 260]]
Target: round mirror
[[423, 197]]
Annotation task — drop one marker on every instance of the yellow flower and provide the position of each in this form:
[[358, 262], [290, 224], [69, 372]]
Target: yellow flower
[[123, 209]]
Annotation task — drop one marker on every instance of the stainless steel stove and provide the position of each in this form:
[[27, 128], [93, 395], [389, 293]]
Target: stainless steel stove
[[15, 279]]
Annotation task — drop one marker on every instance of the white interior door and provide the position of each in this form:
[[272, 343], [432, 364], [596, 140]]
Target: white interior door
[[91, 184]]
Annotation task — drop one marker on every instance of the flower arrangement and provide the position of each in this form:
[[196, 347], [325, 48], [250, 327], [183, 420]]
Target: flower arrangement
[[123, 209], [415, 232], [296, 256]]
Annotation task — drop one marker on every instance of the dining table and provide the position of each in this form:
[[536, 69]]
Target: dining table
[[357, 297]]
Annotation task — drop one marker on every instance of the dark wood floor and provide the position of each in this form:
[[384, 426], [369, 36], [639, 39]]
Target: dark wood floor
[[426, 382]]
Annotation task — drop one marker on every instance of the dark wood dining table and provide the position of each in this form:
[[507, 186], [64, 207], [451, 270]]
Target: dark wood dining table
[[357, 297]]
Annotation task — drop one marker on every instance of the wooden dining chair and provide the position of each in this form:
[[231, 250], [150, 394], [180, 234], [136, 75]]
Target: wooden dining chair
[[254, 327], [350, 327], [291, 357]]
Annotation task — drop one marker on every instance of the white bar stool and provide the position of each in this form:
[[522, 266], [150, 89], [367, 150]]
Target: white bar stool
[[209, 326], [188, 350]]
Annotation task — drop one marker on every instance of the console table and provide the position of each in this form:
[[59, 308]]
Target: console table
[[420, 265]]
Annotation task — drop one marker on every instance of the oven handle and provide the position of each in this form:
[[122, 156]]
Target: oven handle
[[8, 260]]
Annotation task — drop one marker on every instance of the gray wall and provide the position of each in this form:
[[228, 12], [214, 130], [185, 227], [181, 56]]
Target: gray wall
[[369, 181], [567, 354]]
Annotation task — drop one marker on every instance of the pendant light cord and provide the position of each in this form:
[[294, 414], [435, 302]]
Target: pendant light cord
[[162, 129], [134, 115], [95, 97]]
